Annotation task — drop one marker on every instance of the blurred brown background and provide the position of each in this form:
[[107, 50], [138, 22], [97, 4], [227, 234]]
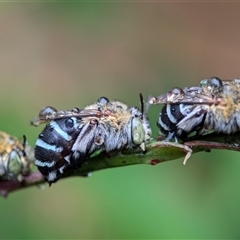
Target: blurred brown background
[[69, 54]]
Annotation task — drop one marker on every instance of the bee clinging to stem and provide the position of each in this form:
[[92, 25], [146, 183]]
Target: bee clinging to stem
[[14, 161], [213, 106], [70, 137]]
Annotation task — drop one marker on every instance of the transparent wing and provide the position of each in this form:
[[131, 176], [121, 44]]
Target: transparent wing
[[50, 113], [192, 95]]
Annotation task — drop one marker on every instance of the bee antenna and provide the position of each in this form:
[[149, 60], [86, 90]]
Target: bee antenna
[[141, 103], [24, 141], [24, 144]]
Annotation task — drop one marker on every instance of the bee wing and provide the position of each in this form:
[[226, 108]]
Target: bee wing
[[45, 116], [174, 95], [192, 95], [197, 114], [85, 143]]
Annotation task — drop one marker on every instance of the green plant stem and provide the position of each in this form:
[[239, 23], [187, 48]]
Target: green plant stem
[[157, 152]]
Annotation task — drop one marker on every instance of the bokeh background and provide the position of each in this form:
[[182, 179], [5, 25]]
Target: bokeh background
[[69, 54]]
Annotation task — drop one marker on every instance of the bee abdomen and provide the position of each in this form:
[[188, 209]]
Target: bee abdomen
[[53, 147], [170, 115]]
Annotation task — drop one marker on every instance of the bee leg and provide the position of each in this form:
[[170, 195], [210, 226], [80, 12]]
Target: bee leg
[[78, 159], [170, 136], [188, 155], [184, 148]]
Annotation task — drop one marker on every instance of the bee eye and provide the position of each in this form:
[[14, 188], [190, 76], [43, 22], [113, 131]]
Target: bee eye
[[47, 111], [103, 101], [14, 164], [137, 131]]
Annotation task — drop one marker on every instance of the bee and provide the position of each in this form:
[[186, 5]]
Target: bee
[[70, 137], [213, 106], [14, 163]]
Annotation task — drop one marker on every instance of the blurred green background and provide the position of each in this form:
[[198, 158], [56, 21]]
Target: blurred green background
[[69, 54]]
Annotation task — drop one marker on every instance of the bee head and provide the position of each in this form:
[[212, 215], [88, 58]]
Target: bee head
[[140, 128]]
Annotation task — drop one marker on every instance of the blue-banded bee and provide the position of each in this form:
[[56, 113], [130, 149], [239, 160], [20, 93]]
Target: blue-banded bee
[[72, 136], [14, 163], [214, 106]]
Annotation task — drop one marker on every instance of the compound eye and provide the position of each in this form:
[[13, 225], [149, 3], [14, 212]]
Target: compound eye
[[14, 164], [138, 133], [174, 94], [103, 101], [47, 112]]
